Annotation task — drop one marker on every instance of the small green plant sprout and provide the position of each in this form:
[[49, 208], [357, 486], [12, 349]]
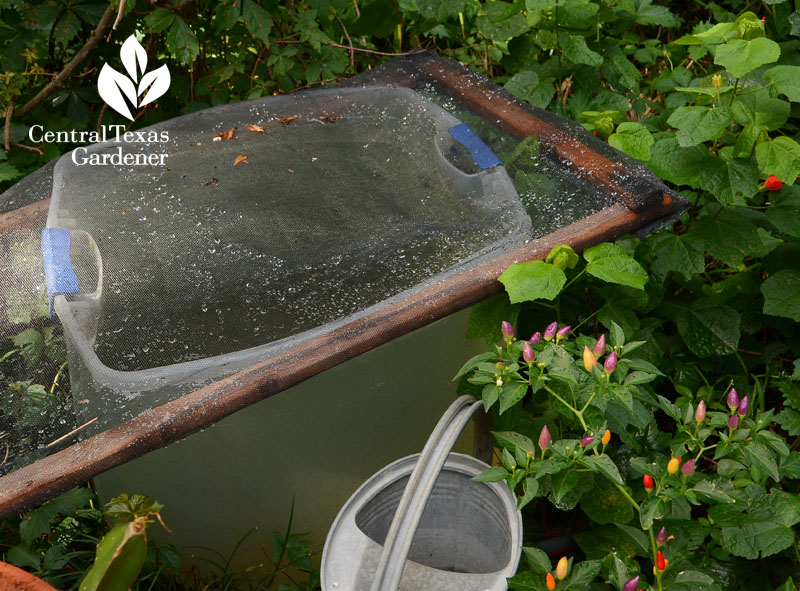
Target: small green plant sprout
[[122, 551]]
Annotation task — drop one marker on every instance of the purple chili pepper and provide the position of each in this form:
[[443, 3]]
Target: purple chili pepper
[[632, 584], [733, 399], [600, 346], [610, 363], [700, 413], [550, 331], [545, 438], [527, 353], [507, 329], [688, 467], [744, 405]]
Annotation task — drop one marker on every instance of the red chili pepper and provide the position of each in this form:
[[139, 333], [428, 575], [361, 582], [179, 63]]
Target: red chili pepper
[[661, 564], [773, 183], [648, 482]]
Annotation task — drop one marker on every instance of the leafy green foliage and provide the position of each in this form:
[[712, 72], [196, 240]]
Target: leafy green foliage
[[633, 139], [533, 280], [702, 301], [740, 56], [124, 508], [705, 95], [33, 415], [782, 294], [58, 542], [760, 524], [696, 125]]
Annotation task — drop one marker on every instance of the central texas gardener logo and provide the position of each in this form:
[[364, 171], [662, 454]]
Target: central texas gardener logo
[[123, 93]]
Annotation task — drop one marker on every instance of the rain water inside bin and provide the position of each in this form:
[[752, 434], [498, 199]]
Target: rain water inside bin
[[463, 528], [341, 203]]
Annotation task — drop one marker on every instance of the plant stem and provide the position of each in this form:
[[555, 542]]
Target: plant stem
[[571, 281], [654, 548], [58, 374], [589, 317], [741, 362], [628, 496], [733, 93], [577, 412], [588, 401]]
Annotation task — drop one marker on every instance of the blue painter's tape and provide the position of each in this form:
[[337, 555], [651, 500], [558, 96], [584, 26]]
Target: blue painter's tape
[[480, 152], [59, 276]]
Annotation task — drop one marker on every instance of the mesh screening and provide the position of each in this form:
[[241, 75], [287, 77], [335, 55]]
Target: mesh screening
[[347, 200], [549, 188], [315, 208], [35, 403], [32, 188], [552, 195]]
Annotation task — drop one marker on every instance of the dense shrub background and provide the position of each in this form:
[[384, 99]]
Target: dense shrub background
[[722, 298]]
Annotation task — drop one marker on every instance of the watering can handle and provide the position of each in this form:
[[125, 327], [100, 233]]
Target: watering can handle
[[418, 490]]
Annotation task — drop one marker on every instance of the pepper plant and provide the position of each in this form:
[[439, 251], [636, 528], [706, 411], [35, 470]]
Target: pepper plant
[[685, 485]]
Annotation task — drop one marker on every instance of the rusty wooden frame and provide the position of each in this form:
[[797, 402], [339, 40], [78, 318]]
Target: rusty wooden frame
[[160, 426]]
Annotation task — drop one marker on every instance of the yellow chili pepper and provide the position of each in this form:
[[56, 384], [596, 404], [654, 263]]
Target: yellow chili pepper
[[561, 568], [589, 360]]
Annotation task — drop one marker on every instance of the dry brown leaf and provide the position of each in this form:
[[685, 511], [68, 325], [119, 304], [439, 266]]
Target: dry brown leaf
[[328, 118], [284, 121], [226, 135], [213, 181], [240, 159], [257, 128]]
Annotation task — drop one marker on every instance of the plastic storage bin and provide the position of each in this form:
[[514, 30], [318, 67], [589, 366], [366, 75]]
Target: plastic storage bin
[[241, 248]]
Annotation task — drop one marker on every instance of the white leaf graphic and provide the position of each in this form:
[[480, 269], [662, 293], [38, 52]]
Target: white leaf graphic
[[129, 53], [109, 84], [159, 79]]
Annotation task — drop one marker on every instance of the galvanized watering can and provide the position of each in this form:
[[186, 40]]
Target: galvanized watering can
[[422, 523]]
